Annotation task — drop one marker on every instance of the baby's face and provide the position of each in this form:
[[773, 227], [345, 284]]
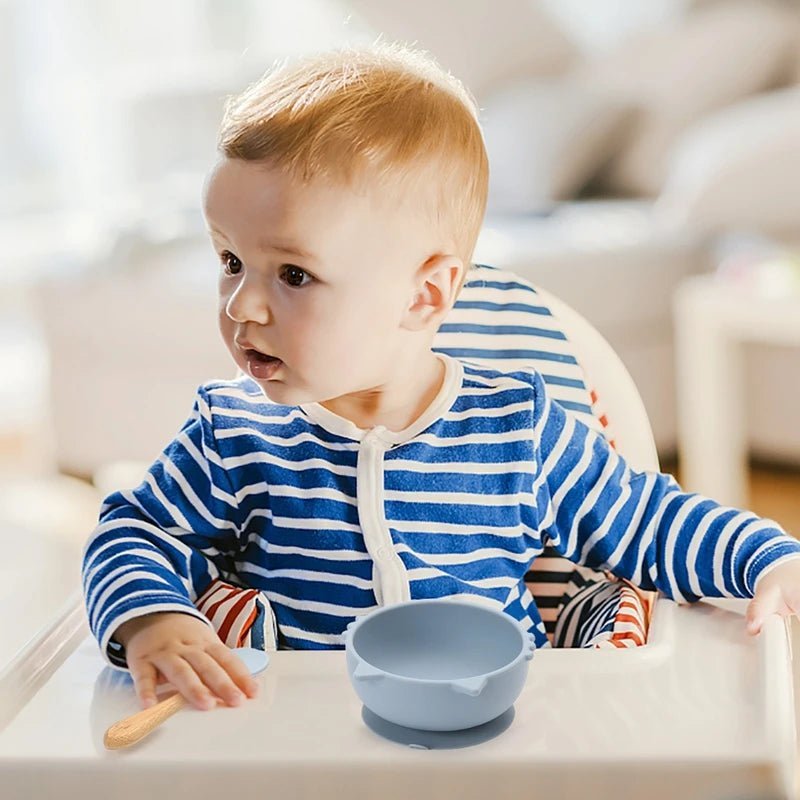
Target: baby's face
[[316, 276]]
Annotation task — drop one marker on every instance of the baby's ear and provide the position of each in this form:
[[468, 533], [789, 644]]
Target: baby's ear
[[436, 286]]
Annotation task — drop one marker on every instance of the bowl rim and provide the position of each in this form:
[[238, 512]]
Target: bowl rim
[[525, 646]]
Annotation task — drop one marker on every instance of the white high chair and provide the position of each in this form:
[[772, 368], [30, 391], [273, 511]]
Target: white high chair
[[700, 711]]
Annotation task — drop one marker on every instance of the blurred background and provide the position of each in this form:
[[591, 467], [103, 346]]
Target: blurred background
[[645, 167]]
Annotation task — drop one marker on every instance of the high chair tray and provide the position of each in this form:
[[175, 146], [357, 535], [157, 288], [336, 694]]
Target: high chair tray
[[703, 711]]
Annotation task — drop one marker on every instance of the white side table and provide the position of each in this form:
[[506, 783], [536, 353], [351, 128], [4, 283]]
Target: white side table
[[713, 317]]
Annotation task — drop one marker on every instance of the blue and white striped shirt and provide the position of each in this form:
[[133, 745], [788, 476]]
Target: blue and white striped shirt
[[330, 521]]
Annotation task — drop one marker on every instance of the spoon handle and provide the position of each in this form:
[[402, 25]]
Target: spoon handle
[[135, 727]]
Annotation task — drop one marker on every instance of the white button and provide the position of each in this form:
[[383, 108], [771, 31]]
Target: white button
[[383, 552]]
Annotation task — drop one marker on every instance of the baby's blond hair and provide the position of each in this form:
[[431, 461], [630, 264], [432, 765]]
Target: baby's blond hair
[[381, 111]]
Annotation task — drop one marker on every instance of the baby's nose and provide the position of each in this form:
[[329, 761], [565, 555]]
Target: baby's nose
[[249, 303]]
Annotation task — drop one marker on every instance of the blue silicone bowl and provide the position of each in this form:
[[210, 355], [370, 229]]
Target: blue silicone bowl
[[438, 665]]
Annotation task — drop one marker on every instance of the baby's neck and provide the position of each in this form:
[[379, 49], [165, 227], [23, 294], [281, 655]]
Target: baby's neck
[[395, 407]]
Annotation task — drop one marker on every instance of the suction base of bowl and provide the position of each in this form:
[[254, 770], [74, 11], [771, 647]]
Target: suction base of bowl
[[437, 740]]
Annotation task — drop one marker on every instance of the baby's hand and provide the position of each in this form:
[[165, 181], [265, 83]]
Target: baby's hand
[[183, 650], [778, 592]]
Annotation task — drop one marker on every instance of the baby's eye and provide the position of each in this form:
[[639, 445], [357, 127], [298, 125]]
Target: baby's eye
[[231, 262], [294, 275]]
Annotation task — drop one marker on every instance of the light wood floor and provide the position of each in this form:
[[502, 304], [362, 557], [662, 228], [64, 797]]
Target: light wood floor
[[776, 494]]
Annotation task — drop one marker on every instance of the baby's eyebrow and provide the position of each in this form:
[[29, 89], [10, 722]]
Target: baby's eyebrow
[[285, 247], [214, 232], [264, 245]]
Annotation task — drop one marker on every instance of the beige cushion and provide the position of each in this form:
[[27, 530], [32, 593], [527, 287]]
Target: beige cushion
[[720, 54], [483, 44], [738, 168], [546, 139]]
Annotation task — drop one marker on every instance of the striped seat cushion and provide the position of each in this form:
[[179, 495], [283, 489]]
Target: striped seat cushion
[[602, 613], [593, 613], [241, 617]]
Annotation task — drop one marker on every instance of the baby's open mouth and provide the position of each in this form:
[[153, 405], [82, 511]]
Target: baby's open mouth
[[260, 356], [260, 365]]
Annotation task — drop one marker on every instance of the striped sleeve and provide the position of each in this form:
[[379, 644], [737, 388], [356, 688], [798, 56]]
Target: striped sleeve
[[158, 546], [642, 526]]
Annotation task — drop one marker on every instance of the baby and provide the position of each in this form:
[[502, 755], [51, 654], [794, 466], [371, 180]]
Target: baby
[[351, 465]]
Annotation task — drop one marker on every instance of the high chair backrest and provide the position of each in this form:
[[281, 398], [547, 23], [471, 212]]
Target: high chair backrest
[[502, 321]]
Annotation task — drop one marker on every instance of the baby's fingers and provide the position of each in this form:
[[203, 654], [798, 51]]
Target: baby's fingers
[[760, 607], [236, 668], [183, 677], [144, 676], [215, 677]]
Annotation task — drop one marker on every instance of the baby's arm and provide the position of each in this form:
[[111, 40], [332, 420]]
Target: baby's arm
[[641, 525], [158, 546]]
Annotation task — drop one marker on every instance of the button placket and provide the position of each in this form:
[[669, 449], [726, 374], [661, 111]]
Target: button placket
[[388, 575]]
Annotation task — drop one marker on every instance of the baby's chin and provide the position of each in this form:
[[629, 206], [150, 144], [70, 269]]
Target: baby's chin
[[278, 392], [282, 393], [283, 390]]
